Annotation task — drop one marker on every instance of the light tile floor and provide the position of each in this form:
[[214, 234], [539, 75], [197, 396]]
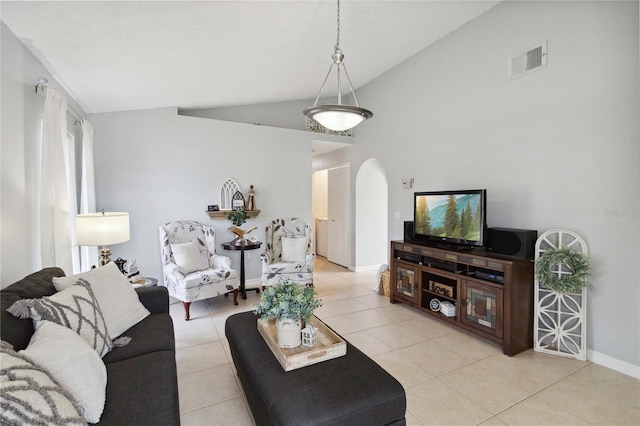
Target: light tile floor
[[450, 377]]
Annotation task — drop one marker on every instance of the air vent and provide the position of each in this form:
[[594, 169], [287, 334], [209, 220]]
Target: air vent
[[526, 62]]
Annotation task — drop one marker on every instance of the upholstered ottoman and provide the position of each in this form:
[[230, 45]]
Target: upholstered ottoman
[[349, 390]]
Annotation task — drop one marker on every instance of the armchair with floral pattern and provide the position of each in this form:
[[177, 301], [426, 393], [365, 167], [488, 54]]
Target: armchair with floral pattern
[[212, 276], [275, 267]]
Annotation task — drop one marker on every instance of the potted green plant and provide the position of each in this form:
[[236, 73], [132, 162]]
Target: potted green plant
[[238, 217], [289, 304]]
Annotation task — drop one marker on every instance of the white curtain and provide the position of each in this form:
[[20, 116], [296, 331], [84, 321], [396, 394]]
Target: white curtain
[[55, 232], [70, 163], [89, 254]]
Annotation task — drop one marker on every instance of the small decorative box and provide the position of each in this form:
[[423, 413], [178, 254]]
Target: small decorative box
[[448, 309]]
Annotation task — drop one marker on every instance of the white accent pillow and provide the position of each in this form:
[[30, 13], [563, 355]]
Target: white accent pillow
[[75, 307], [294, 249], [188, 257], [116, 297], [28, 393], [221, 262], [73, 364]]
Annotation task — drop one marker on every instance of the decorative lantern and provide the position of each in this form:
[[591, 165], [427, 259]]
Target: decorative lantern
[[309, 335]]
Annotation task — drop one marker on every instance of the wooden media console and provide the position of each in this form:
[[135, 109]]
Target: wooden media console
[[492, 295]]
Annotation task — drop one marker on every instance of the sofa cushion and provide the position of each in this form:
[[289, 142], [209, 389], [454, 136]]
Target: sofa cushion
[[30, 396], [118, 300], [15, 331], [39, 284], [155, 299], [154, 333], [72, 363], [36, 285], [74, 307], [142, 391]]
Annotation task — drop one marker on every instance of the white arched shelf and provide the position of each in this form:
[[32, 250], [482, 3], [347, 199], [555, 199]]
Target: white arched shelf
[[560, 322], [228, 188]]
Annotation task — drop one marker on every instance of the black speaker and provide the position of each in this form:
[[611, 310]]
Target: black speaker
[[409, 236], [512, 242]]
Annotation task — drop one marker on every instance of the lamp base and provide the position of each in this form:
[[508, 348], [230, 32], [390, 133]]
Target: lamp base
[[105, 255]]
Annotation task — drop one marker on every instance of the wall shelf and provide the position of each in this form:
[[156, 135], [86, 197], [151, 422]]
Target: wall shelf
[[222, 214]]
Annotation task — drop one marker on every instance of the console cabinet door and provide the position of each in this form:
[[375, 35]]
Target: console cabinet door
[[406, 281], [482, 307]]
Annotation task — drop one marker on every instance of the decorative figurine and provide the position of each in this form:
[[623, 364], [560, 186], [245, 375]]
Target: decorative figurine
[[251, 203]]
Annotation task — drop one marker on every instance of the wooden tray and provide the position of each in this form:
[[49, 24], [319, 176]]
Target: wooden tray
[[328, 346]]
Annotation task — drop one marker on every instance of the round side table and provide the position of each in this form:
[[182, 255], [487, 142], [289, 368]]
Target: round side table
[[242, 246]]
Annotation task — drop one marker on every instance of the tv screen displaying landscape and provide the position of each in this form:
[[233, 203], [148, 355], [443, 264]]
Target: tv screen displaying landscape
[[451, 216]]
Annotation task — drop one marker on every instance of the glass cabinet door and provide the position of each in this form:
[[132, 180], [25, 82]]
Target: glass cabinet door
[[405, 281], [482, 307]]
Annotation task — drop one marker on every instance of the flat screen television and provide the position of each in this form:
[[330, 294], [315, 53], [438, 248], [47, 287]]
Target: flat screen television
[[451, 219]]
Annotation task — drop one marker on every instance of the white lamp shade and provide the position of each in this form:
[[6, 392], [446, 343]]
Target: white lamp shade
[[338, 117], [338, 120], [101, 229]]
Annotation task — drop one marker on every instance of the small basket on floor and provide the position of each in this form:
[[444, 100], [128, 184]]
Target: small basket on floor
[[386, 283]]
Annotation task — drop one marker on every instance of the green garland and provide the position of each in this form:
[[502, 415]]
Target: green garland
[[577, 263]]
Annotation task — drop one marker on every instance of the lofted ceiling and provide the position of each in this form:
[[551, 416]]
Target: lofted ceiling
[[129, 55]]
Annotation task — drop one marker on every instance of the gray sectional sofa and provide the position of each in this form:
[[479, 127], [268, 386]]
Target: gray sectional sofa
[[142, 385]]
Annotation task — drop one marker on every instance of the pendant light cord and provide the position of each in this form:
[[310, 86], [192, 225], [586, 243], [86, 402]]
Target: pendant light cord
[[338, 58], [337, 46]]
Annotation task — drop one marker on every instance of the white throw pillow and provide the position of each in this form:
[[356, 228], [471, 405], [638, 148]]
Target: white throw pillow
[[73, 364], [294, 249], [188, 257], [116, 296], [29, 394], [75, 307]]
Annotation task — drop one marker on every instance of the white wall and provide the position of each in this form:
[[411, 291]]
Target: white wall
[[20, 138], [371, 218], [160, 166], [557, 148], [320, 200]]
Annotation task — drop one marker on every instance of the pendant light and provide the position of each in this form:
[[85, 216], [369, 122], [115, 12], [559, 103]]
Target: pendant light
[[338, 117]]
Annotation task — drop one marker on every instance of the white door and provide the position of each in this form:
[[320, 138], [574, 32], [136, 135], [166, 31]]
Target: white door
[[339, 209], [322, 237]]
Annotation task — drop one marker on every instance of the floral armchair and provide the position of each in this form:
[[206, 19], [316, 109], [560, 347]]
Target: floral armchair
[[289, 252], [190, 266]]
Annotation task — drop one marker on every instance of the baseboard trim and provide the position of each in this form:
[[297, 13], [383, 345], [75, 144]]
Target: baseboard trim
[[614, 364], [253, 283], [366, 268]]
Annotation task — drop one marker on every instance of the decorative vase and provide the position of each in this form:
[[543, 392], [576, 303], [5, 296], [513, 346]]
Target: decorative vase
[[288, 331]]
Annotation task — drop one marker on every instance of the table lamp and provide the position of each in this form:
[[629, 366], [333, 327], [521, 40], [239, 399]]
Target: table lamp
[[102, 229]]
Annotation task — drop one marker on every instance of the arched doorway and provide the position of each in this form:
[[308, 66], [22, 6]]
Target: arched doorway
[[371, 218]]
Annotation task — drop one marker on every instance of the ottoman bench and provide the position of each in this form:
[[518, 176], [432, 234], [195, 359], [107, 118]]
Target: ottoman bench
[[349, 390]]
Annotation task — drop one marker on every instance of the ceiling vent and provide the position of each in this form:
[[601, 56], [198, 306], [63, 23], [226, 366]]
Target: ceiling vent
[[531, 60]]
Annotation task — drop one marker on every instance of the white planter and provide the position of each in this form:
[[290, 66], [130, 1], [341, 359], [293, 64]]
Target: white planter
[[289, 333]]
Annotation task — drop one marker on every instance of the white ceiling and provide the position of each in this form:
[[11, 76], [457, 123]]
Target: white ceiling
[[128, 55]]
